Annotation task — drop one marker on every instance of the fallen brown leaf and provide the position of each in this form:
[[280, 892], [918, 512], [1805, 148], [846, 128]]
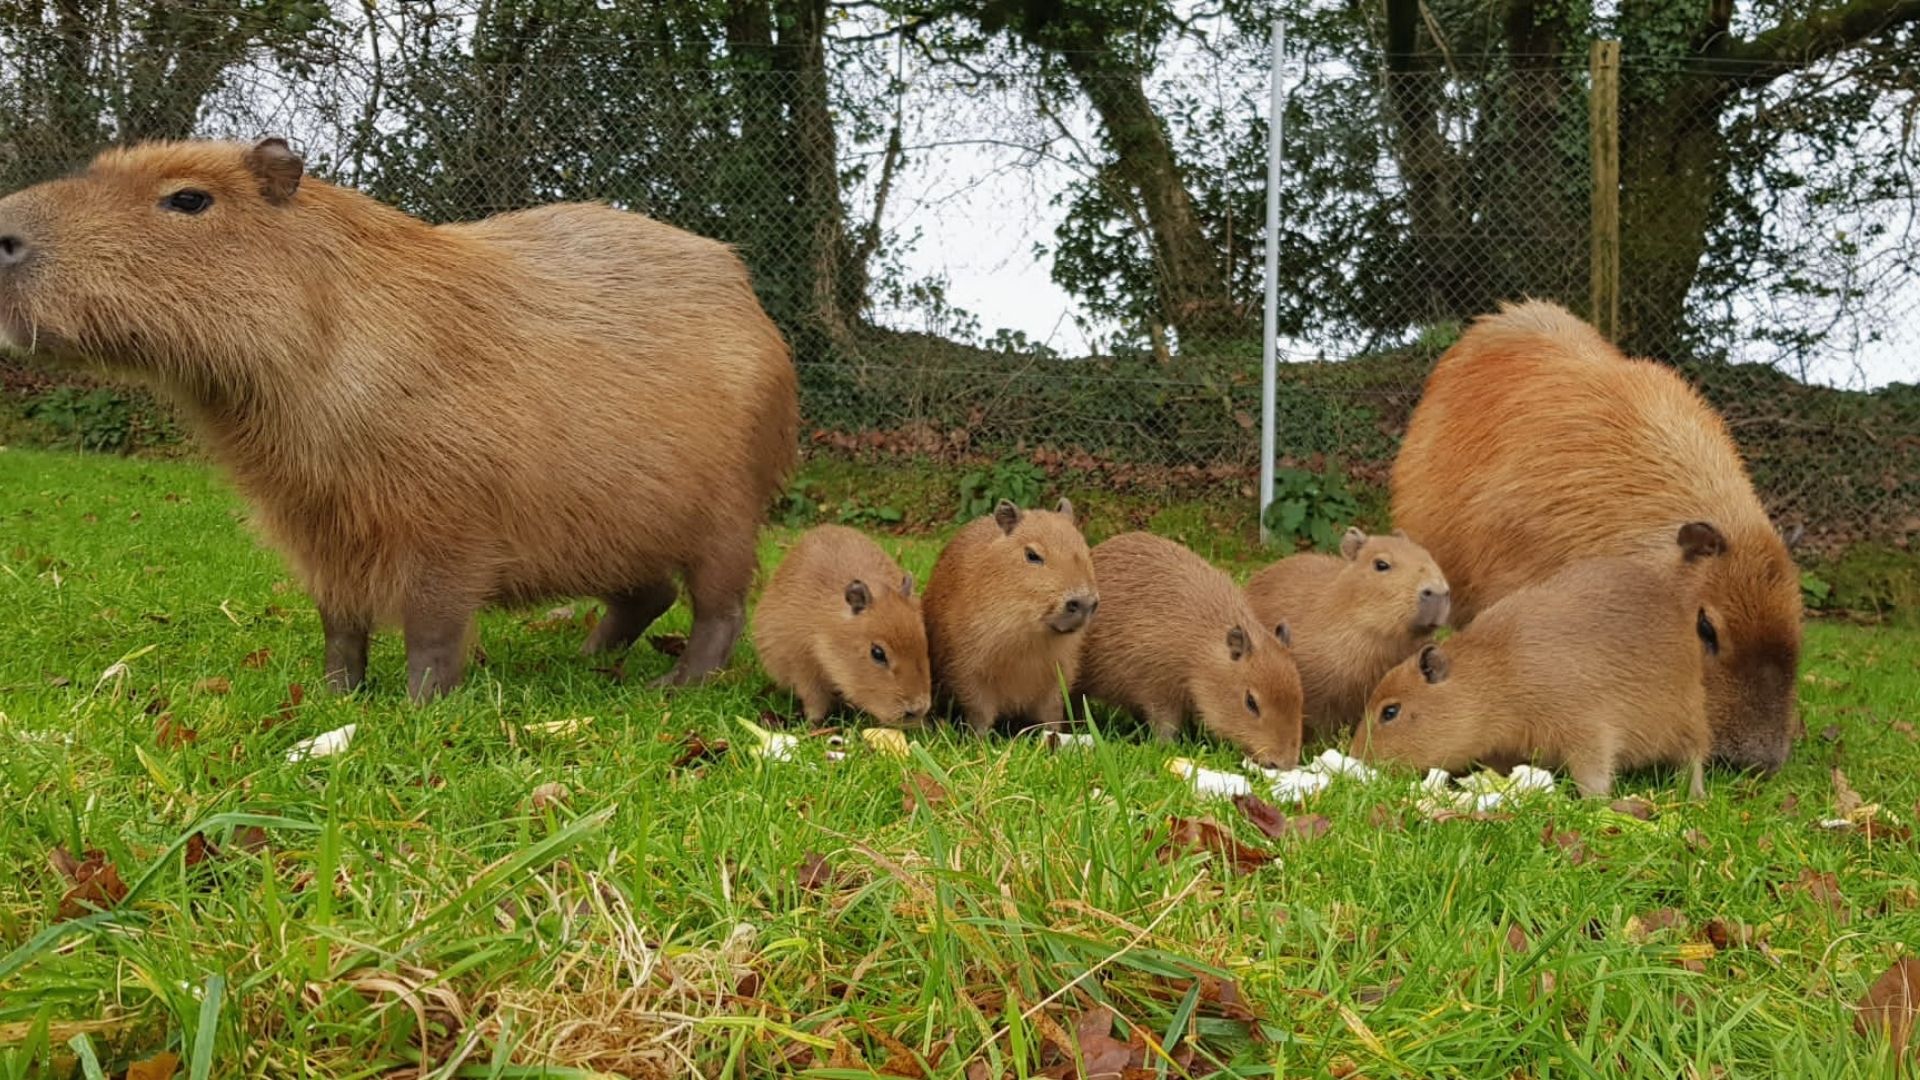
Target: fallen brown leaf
[[200, 850], [1634, 807], [773, 721], [93, 882], [251, 839], [1187, 835], [921, 790], [695, 747], [170, 734], [1696, 839], [1845, 799], [160, 1066], [1823, 888], [552, 793], [1903, 728], [219, 684], [1568, 842], [1374, 995], [1264, 815], [1517, 938], [1891, 1005], [1384, 818], [813, 874], [1309, 827], [1470, 815], [1831, 733], [257, 659], [1645, 925], [1790, 804], [668, 644]]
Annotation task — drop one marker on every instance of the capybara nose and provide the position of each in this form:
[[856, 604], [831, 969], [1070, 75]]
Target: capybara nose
[[1435, 606], [1073, 615], [13, 249]]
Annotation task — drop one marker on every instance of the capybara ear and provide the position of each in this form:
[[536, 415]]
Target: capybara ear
[[277, 167], [1236, 643], [1006, 515], [858, 599], [1352, 542], [1401, 533], [1285, 634], [1434, 664], [1700, 540], [1065, 509], [906, 586]]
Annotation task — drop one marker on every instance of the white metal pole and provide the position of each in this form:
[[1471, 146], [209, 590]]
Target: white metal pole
[[1269, 344]]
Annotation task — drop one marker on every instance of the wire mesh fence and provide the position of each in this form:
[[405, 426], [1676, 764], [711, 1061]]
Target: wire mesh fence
[[980, 253]]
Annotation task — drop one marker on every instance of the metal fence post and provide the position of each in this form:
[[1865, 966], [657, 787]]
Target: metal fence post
[[1269, 345]]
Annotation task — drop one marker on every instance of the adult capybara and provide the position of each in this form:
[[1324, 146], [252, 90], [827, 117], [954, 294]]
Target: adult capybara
[[429, 419], [1006, 605], [1537, 443], [1351, 617], [1595, 669], [840, 621], [1177, 638]]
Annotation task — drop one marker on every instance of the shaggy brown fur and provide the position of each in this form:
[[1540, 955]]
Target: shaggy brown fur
[[1351, 617], [1537, 444], [840, 621], [1006, 604], [1177, 638], [429, 419], [1595, 670]]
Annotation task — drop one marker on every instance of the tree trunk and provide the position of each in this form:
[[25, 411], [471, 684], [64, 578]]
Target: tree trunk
[[1672, 165], [1193, 291]]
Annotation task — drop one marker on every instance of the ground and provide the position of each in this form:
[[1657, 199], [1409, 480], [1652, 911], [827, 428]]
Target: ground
[[728, 916]]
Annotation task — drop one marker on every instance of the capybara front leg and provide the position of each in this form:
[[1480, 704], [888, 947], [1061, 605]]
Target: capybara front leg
[[1050, 712], [437, 637], [1696, 780], [628, 616], [1592, 774], [346, 649], [816, 697], [718, 586]]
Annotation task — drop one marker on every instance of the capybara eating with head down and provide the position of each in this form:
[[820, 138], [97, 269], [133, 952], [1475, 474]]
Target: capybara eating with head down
[[1537, 443], [1007, 607], [1176, 638], [429, 419], [1351, 617], [840, 622], [1595, 669]]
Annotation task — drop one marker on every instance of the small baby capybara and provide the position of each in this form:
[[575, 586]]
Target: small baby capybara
[[840, 622], [1006, 607], [1595, 670], [1351, 617], [1537, 443], [1176, 638], [429, 419]]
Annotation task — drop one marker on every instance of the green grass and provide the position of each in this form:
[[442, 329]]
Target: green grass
[[655, 922]]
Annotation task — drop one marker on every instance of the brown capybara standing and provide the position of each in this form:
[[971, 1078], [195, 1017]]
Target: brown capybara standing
[[429, 419], [840, 621], [1006, 607], [1351, 617], [1537, 443], [1176, 638], [1595, 669]]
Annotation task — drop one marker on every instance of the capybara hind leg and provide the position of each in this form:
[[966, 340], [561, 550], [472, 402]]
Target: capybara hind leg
[[346, 649], [1696, 780], [1593, 775], [1164, 720], [437, 639], [628, 616], [718, 586]]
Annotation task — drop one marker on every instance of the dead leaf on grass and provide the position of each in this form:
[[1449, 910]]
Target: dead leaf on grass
[[251, 839], [1822, 887], [160, 1066], [1517, 938], [921, 790], [93, 882], [814, 874], [219, 684], [1278, 826], [1568, 842], [1845, 799], [1187, 835], [200, 850], [170, 734], [1645, 925], [1903, 728], [1634, 807], [257, 659], [1891, 1005], [697, 747], [1383, 818], [552, 793]]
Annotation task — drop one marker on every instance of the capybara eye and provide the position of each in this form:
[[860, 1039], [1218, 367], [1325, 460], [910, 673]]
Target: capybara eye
[[1252, 705], [1034, 557], [879, 655], [1382, 565], [1389, 714], [189, 201], [1704, 627]]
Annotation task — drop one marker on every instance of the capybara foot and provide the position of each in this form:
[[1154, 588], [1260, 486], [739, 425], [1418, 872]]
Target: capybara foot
[[709, 646], [628, 616], [346, 660], [436, 653]]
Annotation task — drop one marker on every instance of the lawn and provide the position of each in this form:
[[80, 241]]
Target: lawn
[[428, 898]]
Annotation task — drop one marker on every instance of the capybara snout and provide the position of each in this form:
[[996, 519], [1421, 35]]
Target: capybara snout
[[1435, 602], [1075, 610]]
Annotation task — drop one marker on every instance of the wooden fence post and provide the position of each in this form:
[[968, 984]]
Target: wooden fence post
[[1603, 122]]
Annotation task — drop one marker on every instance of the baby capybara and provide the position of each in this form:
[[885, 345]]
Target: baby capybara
[[429, 419], [840, 622], [1351, 617], [1177, 638], [1595, 670], [1537, 443], [1006, 607]]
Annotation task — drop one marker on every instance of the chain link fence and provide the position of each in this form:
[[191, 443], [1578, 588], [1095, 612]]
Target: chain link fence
[[979, 256]]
